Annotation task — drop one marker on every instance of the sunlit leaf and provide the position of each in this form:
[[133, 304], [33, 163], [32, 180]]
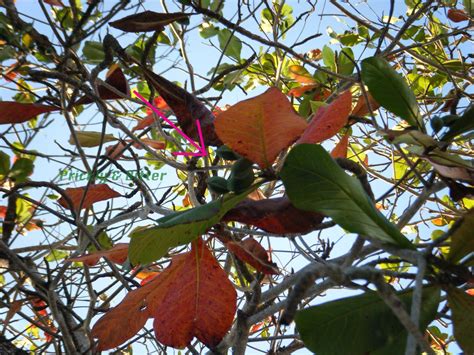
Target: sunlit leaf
[[150, 244], [261, 127], [93, 193], [314, 182], [390, 90], [328, 120], [183, 301]]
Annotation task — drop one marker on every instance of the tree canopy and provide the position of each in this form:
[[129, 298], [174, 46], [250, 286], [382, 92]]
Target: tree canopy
[[211, 176]]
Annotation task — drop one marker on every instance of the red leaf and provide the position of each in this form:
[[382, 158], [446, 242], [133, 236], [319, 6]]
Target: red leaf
[[274, 215], [261, 127], [328, 120], [3, 211], [54, 2], [39, 306], [187, 109], [17, 112], [114, 78], [207, 302], [95, 193], [191, 298], [147, 21], [361, 108], [457, 15], [340, 150], [117, 254], [251, 252]]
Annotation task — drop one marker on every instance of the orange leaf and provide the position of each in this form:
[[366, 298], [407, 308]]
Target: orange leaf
[[117, 254], [440, 221], [328, 120], [95, 193], [301, 90], [191, 298], [160, 103], [151, 143], [14, 308], [34, 225], [322, 95], [361, 109], [457, 15], [125, 320], [144, 123], [340, 150], [17, 112], [250, 251], [256, 195], [314, 54], [261, 127], [301, 75]]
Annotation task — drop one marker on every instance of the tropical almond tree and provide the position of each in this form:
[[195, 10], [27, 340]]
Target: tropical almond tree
[[234, 176]]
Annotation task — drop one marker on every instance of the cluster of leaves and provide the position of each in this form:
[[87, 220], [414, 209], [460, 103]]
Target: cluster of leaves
[[267, 171]]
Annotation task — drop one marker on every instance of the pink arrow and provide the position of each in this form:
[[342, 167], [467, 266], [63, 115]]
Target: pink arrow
[[202, 152]]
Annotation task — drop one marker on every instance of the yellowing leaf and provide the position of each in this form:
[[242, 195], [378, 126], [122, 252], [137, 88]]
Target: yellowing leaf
[[91, 139], [261, 127]]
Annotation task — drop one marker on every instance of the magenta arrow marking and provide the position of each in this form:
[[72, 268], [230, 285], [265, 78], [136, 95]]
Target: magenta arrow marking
[[202, 152]]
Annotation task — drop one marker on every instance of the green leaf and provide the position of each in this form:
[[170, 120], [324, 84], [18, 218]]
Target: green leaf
[[361, 324], [93, 51], [314, 182], [469, 7], [462, 240], [461, 125], [150, 244], [7, 52], [462, 309], [207, 30], [231, 45], [390, 90], [21, 169], [329, 58], [57, 255], [4, 165], [345, 66], [163, 38]]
